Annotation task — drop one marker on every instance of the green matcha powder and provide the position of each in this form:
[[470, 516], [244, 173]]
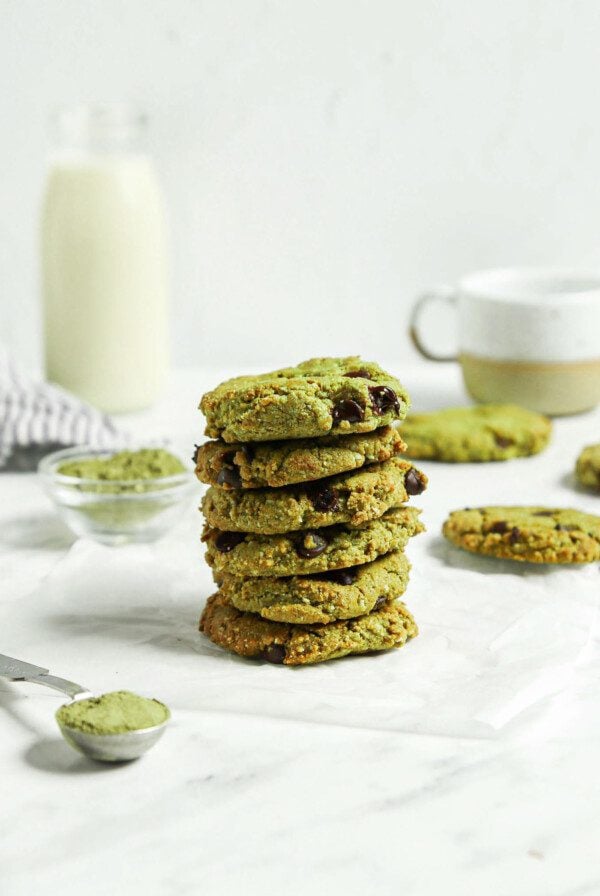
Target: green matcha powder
[[127, 473], [123, 468], [113, 713]]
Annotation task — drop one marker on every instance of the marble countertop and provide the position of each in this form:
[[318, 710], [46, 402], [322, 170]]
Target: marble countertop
[[465, 763]]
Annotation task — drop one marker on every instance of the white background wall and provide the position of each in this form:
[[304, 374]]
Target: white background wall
[[322, 159]]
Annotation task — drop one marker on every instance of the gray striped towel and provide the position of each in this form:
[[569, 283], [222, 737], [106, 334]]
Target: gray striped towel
[[38, 417]]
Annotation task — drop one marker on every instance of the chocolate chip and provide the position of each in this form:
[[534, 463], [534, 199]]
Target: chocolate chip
[[340, 576], [515, 535], [561, 528], [248, 453], [500, 527], [383, 400], [360, 374], [413, 483], [312, 545], [195, 454], [379, 602], [324, 499], [503, 441], [227, 541], [229, 475], [347, 409], [274, 653]]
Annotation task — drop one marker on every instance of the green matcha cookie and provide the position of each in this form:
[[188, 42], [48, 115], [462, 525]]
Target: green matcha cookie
[[295, 645], [318, 397], [303, 553], [481, 433], [587, 469], [351, 498], [535, 534], [339, 594], [276, 464]]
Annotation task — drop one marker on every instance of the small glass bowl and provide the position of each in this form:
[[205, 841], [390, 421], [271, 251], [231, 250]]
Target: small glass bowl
[[115, 511]]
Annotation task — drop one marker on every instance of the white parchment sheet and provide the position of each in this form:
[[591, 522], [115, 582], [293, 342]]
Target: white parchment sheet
[[495, 638]]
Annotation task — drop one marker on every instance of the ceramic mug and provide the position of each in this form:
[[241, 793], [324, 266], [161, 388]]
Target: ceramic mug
[[530, 336]]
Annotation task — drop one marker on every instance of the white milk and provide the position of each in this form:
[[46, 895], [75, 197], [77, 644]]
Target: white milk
[[105, 279]]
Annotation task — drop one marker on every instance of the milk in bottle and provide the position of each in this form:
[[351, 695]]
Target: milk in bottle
[[104, 265]]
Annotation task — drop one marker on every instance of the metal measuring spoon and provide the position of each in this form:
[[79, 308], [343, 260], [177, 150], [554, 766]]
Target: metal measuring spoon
[[102, 747]]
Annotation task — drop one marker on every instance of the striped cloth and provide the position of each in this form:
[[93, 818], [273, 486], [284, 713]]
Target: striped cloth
[[37, 417]]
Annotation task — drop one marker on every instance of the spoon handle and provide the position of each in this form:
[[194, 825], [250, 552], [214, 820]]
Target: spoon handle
[[17, 670]]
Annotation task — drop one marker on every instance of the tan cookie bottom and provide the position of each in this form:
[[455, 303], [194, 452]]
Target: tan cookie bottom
[[250, 636]]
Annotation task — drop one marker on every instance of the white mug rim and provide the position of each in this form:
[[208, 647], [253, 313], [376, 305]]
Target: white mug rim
[[492, 285]]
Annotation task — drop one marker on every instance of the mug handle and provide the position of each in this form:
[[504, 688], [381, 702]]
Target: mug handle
[[438, 294]]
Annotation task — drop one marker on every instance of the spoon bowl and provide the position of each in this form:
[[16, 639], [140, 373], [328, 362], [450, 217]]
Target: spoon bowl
[[114, 747]]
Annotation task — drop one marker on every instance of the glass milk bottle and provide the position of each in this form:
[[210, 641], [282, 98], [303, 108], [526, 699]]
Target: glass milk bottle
[[104, 268]]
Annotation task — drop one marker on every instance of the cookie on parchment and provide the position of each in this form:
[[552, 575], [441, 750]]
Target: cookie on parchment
[[587, 468], [249, 635], [534, 534], [486, 432]]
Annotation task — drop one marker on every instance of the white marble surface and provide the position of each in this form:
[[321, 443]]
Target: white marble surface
[[464, 764]]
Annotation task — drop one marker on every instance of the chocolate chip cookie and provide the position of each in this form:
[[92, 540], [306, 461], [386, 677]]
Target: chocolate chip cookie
[[485, 432], [321, 598], [277, 464], [318, 397], [293, 645], [587, 468], [311, 551], [351, 498], [535, 534]]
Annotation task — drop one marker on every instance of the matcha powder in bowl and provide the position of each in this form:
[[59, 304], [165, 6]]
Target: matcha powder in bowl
[[134, 467], [126, 496]]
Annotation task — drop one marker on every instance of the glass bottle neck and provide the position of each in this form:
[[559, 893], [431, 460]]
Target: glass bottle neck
[[118, 129]]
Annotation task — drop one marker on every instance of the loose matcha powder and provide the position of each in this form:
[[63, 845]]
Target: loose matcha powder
[[123, 467], [113, 713], [127, 475]]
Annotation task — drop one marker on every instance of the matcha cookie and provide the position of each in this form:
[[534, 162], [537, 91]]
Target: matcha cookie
[[481, 433], [277, 464], [303, 553], [339, 594], [536, 534], [587, 469], [351, 498], [318, 397], [295, 645]]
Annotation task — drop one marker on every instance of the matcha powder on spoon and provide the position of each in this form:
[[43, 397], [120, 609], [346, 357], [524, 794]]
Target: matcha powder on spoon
[[113, 713]]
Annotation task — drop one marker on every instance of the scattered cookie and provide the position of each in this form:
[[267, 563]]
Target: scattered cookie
[[351, 498], [534, 534], [587, 469], [339, 594], [310, 551], [318, 397], [486, 432], [249, 635], [277, 464]]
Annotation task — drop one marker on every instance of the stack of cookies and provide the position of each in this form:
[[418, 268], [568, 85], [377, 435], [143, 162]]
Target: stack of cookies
[[306, 514]]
